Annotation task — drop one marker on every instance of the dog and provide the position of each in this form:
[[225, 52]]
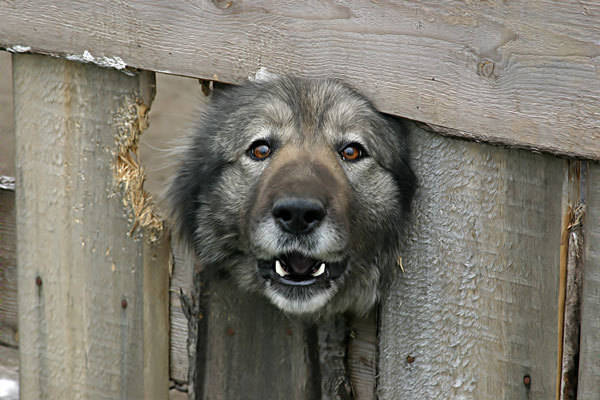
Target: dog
[[299, 190]]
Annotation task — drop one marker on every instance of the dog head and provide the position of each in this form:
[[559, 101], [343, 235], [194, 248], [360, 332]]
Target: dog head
[[297, 188]]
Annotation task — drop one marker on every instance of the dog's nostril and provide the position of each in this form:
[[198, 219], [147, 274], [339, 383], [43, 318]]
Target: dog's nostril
[[313, 215], [282, 214], [298, 215]]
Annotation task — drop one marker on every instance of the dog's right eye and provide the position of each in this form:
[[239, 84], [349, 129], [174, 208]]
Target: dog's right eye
[[259, 150], [352, 152]]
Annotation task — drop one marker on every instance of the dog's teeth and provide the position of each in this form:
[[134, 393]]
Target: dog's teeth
[[320, 270], [279, 269]]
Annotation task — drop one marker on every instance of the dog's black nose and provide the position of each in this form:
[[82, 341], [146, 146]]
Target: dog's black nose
[[298, 215]]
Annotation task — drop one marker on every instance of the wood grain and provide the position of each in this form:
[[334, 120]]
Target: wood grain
[[250, 349], [362, 357], [589, 357], [8, 270], [476, 310], [93, 302], [7, 132], [522, 73], [8, 235], [181, 281]]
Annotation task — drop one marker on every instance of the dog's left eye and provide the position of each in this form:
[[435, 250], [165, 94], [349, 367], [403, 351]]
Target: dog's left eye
[[352, 152], [259, 150]]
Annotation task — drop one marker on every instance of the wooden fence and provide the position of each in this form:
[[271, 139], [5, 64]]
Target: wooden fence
[[500, 294]]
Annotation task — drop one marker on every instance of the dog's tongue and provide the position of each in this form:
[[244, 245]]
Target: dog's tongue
[[299, 264]]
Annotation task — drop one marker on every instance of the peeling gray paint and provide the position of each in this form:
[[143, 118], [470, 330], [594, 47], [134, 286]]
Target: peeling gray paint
[[7, 182], [262, 75], [17, 48], [115, 62]]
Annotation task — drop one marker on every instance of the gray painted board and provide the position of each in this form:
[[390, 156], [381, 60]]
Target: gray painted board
[[476, 309], [93, 302], [589, 359], [521, 72]]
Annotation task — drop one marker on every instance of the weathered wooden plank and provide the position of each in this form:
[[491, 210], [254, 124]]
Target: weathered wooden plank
[[178, 100], [93, 302], [7, 135], [181, 282], [589, 357], [476, 310], [333, 335], [570, 280], [249, 348], [362, 357], [521, 72], [8, 270], [156, 259]]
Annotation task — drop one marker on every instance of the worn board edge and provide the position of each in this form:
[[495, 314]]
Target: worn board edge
[[362, 356], [589, 357], [156, 317], [480, 49], [181, 285], [8, 269]]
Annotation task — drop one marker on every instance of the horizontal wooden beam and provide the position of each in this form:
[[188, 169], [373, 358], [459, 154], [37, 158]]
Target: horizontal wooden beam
[[522, 73]]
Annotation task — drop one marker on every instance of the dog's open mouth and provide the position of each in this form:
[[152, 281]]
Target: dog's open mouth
[[295, 269]]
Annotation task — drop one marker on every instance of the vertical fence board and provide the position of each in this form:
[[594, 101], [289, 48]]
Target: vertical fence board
[[250, 349], [181, 281], [362, 357], [86, 289], [8, 270], [589, 359], [155, 296], [476, 310], [7, 136]]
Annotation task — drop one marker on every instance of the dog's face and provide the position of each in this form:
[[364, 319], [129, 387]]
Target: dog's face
[[299, 190]]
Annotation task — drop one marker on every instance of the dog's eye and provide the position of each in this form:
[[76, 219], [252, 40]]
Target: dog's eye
[[352, 152], [259, 150]]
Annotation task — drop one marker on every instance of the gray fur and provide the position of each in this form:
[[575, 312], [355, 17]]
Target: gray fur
[[221, 199]]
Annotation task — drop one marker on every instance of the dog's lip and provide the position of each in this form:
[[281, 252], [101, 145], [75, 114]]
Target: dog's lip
[[295, 269]]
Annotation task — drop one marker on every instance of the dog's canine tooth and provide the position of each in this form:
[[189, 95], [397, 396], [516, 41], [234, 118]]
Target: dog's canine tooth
[[279, 269], [320, 271]]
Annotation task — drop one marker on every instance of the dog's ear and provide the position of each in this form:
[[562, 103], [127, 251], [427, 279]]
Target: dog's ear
[[189, 189], [398, 163]]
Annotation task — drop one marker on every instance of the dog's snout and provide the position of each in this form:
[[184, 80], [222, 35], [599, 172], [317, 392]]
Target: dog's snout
[[298, 215]]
